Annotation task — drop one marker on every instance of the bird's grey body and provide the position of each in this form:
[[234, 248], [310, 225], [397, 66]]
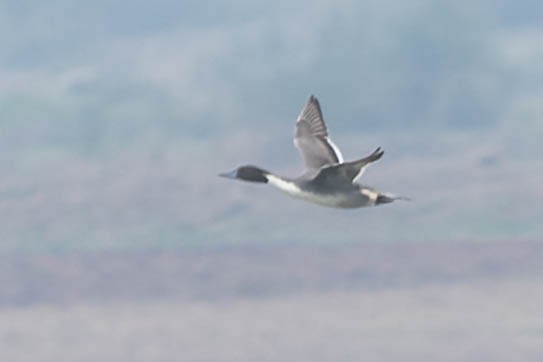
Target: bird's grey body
[[327, 180]]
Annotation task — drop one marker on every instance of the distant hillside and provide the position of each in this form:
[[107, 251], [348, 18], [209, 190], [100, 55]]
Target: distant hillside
[[257, 271]]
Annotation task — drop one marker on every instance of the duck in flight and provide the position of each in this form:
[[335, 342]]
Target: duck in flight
[[327, 179]]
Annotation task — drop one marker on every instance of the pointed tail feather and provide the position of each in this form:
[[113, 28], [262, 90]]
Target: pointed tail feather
[[387, 198]]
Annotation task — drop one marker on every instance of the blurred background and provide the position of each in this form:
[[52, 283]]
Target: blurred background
[[118, 242]]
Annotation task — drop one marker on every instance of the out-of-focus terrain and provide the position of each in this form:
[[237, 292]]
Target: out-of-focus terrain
[[411, 302]]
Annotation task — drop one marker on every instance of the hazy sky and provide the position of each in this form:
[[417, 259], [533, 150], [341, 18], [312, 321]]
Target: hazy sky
[[116, 117]]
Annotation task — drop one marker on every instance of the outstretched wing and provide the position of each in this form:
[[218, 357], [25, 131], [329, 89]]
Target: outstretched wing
[[311, 138], [347, 172]]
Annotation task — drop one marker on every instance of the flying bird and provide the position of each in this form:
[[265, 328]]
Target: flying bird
[[327, 179]]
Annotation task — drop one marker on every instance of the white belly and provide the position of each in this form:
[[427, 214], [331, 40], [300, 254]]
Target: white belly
[[331, 200]]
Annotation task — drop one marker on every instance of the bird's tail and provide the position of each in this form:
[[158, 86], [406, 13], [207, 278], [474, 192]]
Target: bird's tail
[[387, 198]]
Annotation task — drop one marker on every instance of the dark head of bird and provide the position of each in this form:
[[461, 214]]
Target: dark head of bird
[[247, 173]]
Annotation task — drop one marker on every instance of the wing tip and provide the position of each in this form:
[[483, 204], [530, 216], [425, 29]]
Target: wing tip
[[379, 152]]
